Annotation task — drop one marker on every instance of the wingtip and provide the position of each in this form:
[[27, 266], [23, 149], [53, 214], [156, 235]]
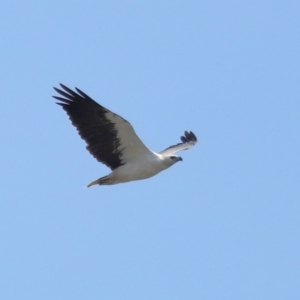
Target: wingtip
[[62, 85], [191, 136]]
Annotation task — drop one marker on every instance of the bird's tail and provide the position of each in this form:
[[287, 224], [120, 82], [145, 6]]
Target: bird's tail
[[106, 180]]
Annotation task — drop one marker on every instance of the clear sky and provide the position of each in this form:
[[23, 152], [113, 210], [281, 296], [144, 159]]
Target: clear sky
[[222, 224]]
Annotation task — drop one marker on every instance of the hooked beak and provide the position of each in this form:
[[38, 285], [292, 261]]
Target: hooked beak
[[180, 158]]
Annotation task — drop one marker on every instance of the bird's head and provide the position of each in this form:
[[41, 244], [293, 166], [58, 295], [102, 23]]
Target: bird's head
[[171, 160]]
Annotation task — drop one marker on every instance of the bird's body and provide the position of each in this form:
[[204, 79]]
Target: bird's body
[[131, 171], [112, 140]]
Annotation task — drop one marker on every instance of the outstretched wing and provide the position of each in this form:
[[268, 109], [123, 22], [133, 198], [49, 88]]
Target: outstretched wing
[[110, 138], [188, 140]]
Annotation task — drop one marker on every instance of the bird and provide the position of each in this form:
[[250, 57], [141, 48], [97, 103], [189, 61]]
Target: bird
[[111, 140]]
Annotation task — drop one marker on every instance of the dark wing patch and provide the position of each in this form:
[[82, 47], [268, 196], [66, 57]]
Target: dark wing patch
[[93, 126], [189, 139]]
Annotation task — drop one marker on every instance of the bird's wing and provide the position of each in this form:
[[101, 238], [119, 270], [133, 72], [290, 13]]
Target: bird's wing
[[110, 138], [188, 140]]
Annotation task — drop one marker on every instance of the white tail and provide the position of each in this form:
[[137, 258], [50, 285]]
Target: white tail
[[106, 180]]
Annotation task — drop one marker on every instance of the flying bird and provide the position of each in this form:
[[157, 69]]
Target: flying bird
[[113, 141]]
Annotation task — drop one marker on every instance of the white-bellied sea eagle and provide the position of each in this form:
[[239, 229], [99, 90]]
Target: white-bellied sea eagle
[[113, 141]]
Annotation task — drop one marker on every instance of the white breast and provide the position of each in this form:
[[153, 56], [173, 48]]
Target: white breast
[[138, 170]]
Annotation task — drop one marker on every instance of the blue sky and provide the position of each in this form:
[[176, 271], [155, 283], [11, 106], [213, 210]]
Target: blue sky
[[224, 223]]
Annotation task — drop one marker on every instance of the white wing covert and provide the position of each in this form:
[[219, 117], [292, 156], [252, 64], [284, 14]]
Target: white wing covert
[[189, 140]]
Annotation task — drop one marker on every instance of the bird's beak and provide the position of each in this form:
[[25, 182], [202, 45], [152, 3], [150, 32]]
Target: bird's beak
[[180, 159]]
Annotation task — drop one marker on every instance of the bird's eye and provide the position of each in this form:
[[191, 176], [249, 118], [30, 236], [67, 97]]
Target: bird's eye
[[173, 157]]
